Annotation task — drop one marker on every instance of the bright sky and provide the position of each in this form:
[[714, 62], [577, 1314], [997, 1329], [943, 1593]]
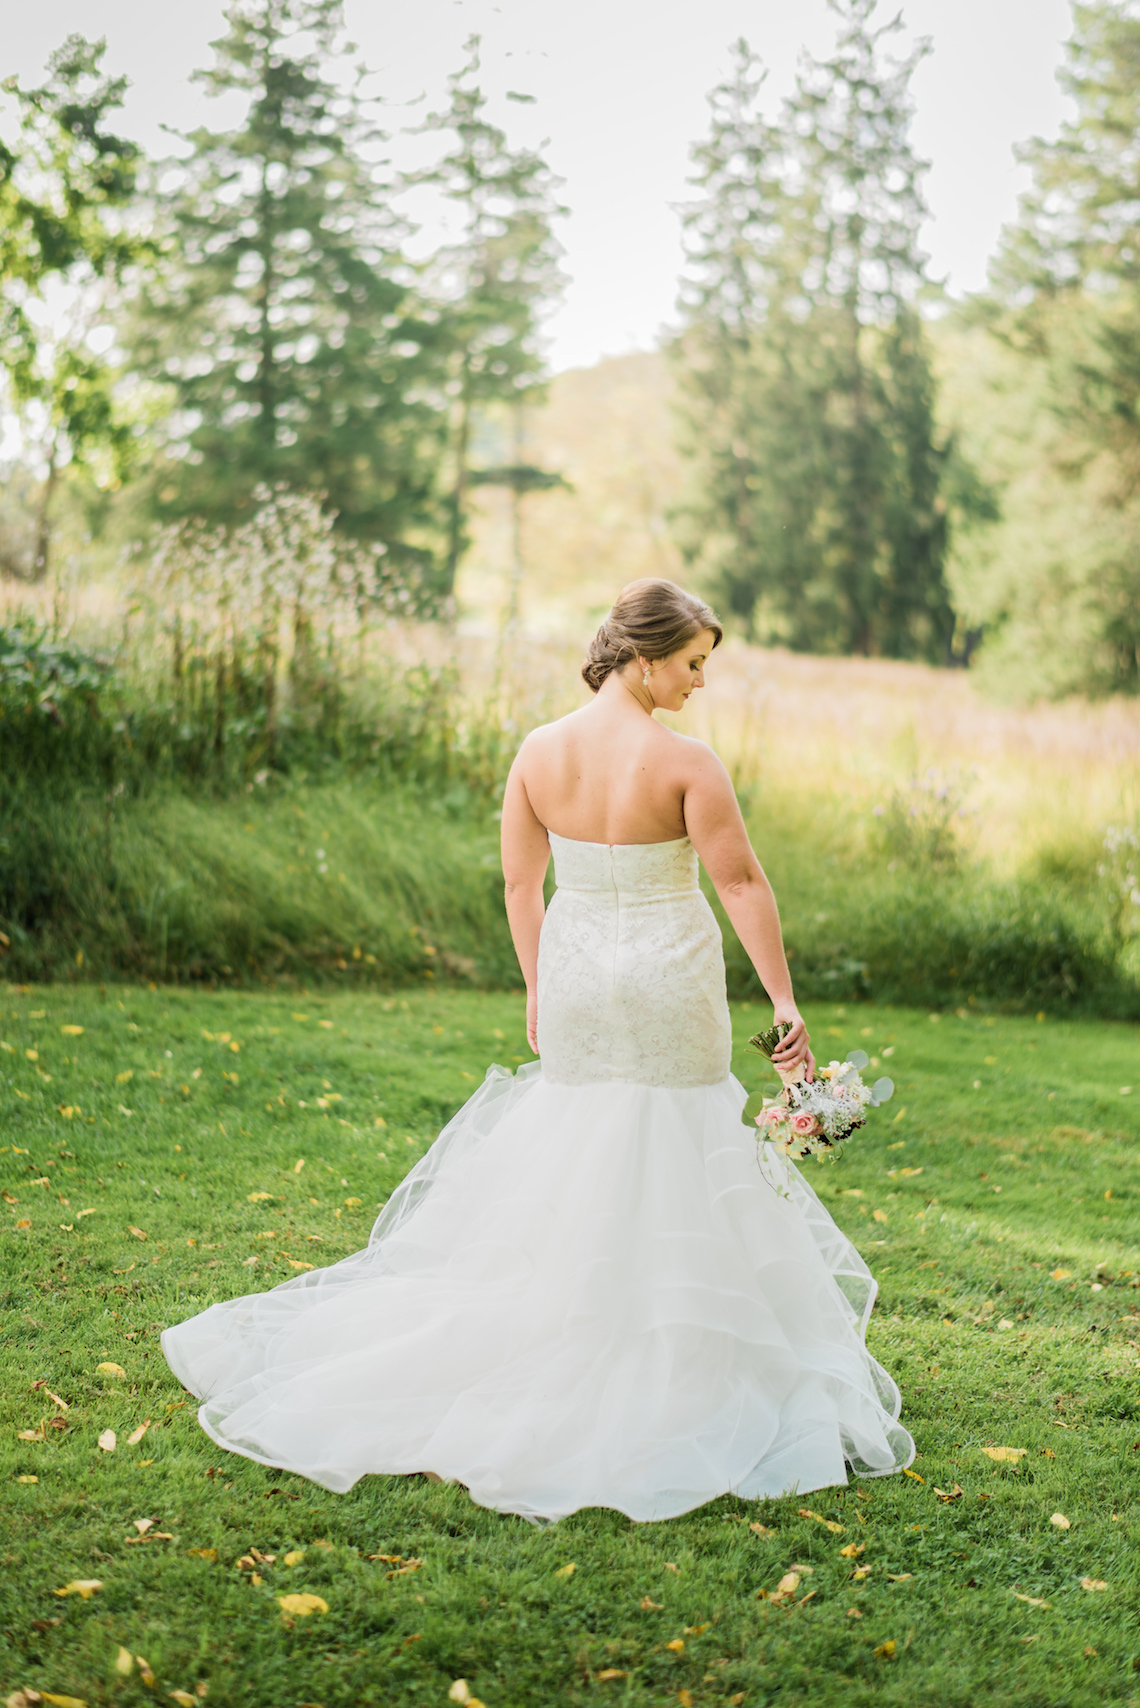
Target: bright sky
[[620, 87]]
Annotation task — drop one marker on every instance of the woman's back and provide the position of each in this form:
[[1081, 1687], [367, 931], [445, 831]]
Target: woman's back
[[602, 775]]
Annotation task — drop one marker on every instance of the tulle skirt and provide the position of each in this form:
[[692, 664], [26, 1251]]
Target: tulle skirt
[[582, 1296]]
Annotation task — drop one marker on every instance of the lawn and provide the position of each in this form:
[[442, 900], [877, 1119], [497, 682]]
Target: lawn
[[185, 1146]]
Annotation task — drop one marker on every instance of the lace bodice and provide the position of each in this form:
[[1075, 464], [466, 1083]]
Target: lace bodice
[[630, 969]]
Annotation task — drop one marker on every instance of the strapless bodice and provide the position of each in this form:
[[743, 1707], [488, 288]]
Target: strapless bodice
[[630, 969], [644, 869]]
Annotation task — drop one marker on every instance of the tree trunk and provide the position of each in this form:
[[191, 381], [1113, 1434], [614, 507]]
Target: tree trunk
[[42, 552], [457, 522], [515, 577]]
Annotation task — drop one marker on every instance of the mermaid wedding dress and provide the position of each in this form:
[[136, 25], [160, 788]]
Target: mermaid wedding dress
[[588, 1292]]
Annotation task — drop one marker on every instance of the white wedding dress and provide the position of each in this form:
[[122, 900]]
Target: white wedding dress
[[590, 1291]]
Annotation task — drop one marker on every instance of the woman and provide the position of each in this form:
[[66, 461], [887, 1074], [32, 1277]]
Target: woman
[[587, 1293]]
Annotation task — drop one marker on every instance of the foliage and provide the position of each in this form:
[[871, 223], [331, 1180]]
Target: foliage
[[1066, 296], [250, 656], [1001, 1315], [57, 710], [66, 190], [283, 320], [920, 823], [821, 504], [492, 286], [1120, 872]]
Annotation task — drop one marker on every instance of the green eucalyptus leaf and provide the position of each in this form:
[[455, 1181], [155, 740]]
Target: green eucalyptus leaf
[[883, 1090], [858, 1059]]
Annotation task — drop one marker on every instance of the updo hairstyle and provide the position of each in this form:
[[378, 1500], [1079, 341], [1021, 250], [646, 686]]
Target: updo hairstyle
[[651, 619]]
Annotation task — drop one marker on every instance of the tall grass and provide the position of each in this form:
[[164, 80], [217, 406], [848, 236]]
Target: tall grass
[[172, 772]]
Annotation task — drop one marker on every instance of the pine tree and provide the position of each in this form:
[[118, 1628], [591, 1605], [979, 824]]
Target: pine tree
[[810, 386], [493, 285], [284, 320], [1066, 290]]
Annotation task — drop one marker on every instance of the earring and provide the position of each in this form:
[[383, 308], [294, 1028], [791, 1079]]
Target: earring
[[645, 677]]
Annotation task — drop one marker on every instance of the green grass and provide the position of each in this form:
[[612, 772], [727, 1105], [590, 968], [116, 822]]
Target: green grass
[[1001, 1219], [366, 884]]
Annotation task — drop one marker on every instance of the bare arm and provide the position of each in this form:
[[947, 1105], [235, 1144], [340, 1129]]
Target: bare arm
[[716, 829], [526, 853]]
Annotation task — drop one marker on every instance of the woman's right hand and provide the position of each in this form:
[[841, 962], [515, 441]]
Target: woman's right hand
[[532, 1019]]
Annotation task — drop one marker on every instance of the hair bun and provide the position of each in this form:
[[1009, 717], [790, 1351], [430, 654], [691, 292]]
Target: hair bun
[[651, 618]]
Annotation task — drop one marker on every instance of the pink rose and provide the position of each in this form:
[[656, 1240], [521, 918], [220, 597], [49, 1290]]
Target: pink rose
[[804, 1125], [772, 1117]]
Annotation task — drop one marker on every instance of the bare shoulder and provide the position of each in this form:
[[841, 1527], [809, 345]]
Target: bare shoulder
[[691, 756], [545, 737]]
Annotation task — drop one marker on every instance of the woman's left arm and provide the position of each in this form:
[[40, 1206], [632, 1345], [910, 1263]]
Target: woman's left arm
[[526, 854]]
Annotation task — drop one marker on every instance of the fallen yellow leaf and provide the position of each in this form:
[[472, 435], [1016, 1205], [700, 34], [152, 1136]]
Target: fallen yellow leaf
[[183, 1698], [142, 1525], [302, 1604], [138, 1232], [296, 1263], [697, 1630], [947, 1495], [136, 1435], [852, 1551], [1031, 1600], [124, 1662], [1061, 1274], [108, 1441], [258, 1197], [85, 1587], [125, 1077], [27, 1479], [886, 1651], [677, 1645], [298, 1165], [294, 1556], [1060, 1521], [72, 1031], [566, 1571], [62, 1701], [210, 1554], [459, 1691], [685, 1698], [880, 1215], [109, 1370], [649, 1606], [608, 1673], [761, 1530], [31, 1434], [1005, 1455], [915, 1476], [145, 1672], [1093, 1583], [828, 1523]]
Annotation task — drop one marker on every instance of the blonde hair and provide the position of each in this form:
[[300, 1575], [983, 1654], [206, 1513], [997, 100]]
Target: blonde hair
[[651, 618]]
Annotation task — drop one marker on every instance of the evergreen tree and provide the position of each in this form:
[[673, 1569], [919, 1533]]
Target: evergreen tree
[[1067, 293], [809, 379], [493, 285], [284, 319], [67, 184]]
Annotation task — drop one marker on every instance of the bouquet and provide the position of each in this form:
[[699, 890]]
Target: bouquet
[[816, 1119]]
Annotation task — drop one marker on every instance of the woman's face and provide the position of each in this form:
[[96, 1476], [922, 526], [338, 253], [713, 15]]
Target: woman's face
[[673, 679]]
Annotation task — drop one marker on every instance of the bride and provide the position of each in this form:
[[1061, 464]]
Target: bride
[[588, 1293]]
